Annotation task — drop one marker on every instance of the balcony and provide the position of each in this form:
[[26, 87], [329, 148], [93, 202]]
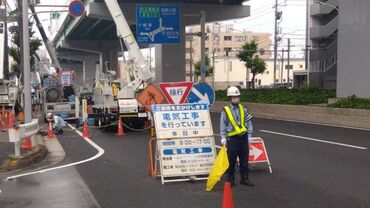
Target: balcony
[[318, 9], [324, 52], [324, 31]]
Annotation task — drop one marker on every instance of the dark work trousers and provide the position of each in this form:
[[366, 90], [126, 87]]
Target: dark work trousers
[[237, 146]]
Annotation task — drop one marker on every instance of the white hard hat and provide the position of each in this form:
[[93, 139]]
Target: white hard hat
[[49, 115], [233, 91]]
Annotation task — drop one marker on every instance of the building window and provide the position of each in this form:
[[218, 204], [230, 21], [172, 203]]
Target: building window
[[276, 80], [300, 66], [267, 72], [207, 50], [259, 82], [206, 38], [239, 38], [227, 38], [227, 51], [284, 80]]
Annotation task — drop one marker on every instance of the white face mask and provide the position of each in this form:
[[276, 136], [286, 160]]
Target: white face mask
[[235, 100]]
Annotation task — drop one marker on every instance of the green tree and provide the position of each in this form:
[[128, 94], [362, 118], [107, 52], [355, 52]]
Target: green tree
[[252, 62], [209, 68], [15, 51]]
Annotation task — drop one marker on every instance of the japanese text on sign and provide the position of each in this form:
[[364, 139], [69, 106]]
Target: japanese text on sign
[[186, 120], [180, 157]]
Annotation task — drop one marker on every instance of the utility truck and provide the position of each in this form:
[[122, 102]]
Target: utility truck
[[115, 99]]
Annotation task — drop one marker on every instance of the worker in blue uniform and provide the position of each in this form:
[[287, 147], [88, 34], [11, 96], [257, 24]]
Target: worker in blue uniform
[[236, 132]]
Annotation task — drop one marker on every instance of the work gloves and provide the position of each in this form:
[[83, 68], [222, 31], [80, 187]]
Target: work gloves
[[223, 141]]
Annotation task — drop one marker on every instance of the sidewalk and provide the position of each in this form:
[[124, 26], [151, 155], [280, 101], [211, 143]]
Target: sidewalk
[[6, 147]]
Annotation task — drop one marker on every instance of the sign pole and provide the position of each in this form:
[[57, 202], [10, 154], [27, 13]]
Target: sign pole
[[203, 46], [17, 149]]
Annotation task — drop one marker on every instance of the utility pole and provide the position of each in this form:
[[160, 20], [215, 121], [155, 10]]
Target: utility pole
[[203, 46], [282, 66], [191, 59], [275, 40], [288, 68], [5, 46], [307, 40], [25, 53], [214, 68]]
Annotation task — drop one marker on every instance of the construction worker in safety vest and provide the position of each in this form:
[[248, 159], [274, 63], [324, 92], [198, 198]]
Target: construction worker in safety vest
[[236, 132]]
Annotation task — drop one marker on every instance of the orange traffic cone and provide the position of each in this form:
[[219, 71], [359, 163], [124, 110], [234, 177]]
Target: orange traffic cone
[[10, 120], [6, 118], [27, 144], [86, 133], [50, 131], [120, 128], [1, 121], [227, 201]]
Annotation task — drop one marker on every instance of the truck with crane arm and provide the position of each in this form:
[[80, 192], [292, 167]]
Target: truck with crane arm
[[116, 99], [60, 89]]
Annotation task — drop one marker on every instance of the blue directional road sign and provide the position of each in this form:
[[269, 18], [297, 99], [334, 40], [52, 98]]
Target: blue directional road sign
[[157, 24], [202, 92]]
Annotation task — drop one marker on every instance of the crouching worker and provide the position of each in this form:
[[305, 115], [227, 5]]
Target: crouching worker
[[236, 132], [59, 123]]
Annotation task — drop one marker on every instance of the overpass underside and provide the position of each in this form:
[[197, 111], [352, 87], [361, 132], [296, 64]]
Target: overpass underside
[[90, 41]]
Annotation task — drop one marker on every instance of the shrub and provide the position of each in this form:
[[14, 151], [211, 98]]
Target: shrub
[[297, 96], [352, 102]]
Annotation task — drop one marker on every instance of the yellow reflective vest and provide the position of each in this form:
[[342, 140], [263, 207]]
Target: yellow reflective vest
[[237, 129]]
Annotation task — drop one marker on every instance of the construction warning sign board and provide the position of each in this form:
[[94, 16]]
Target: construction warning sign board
[[186, 156], [176, 92], [151, 95], [258, 153], [182, 121]]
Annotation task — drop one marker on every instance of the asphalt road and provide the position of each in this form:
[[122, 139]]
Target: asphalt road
[[306, 171]]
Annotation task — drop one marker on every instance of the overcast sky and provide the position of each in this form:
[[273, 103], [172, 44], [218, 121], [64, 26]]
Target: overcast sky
[[293, 24]]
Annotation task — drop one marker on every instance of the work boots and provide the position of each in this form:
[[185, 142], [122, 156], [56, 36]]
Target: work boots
[[231, 180], [244, 180]]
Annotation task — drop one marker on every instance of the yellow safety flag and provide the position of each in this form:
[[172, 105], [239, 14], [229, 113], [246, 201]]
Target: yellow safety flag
[[219, 167]]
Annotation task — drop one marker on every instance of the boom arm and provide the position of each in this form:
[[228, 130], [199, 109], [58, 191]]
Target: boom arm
[[141, 67], [48, 46]]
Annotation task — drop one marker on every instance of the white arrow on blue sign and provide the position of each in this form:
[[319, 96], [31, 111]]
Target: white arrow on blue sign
[[202, 92]]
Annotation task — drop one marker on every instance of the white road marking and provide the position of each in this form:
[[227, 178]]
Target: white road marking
[[307, 122], [315, 140], [97, 147], [313, 123]]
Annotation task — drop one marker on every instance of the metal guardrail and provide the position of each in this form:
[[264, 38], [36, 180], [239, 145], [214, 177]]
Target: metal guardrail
[[17, 133]]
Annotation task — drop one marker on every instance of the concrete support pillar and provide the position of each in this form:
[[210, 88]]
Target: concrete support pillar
[[113, 59], [110, 55], [90, 67], [170, 61]]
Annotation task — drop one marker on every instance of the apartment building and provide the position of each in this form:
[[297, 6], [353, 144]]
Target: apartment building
[[223, 42], [323, 36]]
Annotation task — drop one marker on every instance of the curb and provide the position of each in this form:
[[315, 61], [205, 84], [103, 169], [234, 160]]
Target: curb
[[340, 117], [37, 154], [48, 152]]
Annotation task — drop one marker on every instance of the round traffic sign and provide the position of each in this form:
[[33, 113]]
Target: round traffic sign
[[202, 92], [76, 8]]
